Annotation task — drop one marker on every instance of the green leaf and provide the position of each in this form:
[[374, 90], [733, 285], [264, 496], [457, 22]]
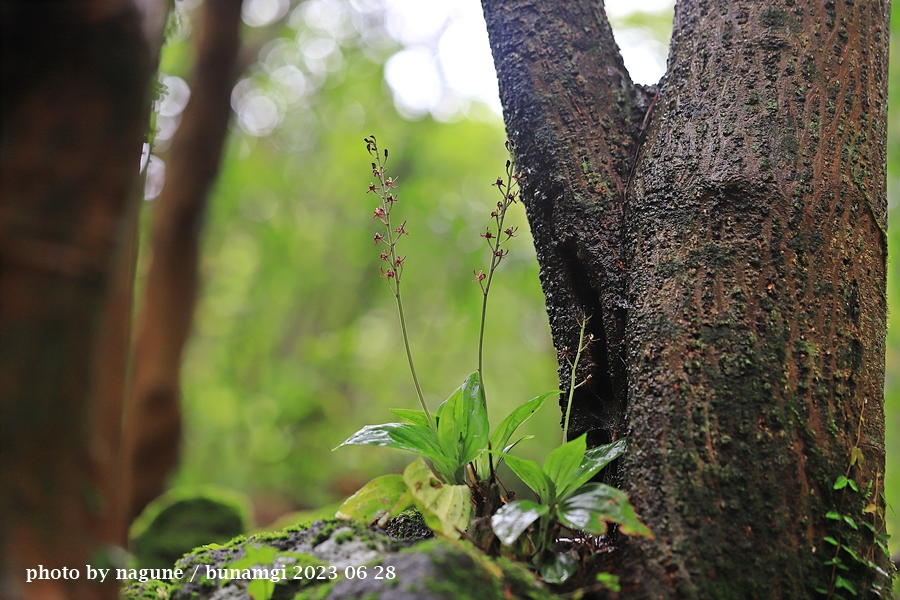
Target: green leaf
[[856, 456], [564, 460], [840, 483], [878, 569], [841, 583], [508, 426], [850, 522], [595, 504], [418, 417], [512, 519], [513, 445], [853, 485], [446, 508], [609, 581], [498, 457], [833, 515], [852, 554], [463, 427], [831, 540], [533, 476], [261, 589], [478, 428], [559, 568], [594, 460], [403, 436], [380, 499], [255, 555]]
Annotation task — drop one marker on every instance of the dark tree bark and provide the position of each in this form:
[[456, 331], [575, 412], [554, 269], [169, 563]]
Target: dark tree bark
[[153, 416], [725, 234], [74, 115]]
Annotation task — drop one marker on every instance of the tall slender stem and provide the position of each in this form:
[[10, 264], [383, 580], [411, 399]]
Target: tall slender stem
[[409, 358], [495, 260]]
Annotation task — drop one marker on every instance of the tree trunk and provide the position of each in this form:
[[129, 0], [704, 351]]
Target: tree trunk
[[153, 417], [74, 112], [725, 234]]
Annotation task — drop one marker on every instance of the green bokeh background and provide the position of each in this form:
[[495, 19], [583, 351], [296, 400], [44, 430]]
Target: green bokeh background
[[296, 343]]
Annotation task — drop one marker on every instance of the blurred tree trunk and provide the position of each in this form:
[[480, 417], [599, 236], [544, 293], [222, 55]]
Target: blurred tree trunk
[[725, 234], [153, 416], [74, 111]]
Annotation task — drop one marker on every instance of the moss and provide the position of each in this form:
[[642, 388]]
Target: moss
[[182, 520], [344, 536], [338, 543], [149, 590]]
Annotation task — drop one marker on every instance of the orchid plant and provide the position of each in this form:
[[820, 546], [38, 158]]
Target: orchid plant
[[457, 439]]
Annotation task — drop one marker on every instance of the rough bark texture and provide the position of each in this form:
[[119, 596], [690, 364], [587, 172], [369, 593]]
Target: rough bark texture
[[74, 114], [576, 118], [153, 417], [735, 259]]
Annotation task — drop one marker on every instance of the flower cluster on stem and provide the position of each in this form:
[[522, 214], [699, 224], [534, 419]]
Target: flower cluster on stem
[[496, 235], [389, 236]]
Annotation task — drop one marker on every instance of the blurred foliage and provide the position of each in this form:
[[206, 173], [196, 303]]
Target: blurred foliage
[[297, 343]]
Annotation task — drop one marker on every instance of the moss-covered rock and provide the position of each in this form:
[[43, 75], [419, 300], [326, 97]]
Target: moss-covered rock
[[437, 570], [321, 561], [182, 520]]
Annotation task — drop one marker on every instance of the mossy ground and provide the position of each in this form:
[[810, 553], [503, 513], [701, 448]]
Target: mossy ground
[[396, 569]]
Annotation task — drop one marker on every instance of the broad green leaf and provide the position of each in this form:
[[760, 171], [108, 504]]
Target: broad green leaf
[[831, 540], [533, 476], [564, 460], [452, 426], [475, 438], [417, 417], [446, 508], [595, 504], [508, 426], [849, 521], [833, 515], [404, 436], [463, 428], [560, 568], [840, 483], [594, 460], [512, 519], [383, 497]]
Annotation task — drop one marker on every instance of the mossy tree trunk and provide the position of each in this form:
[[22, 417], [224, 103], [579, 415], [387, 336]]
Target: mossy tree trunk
[[725, 234], [75, 106]]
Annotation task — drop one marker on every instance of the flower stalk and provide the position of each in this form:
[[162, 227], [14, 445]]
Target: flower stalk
[[389, 237], [495, 240]]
